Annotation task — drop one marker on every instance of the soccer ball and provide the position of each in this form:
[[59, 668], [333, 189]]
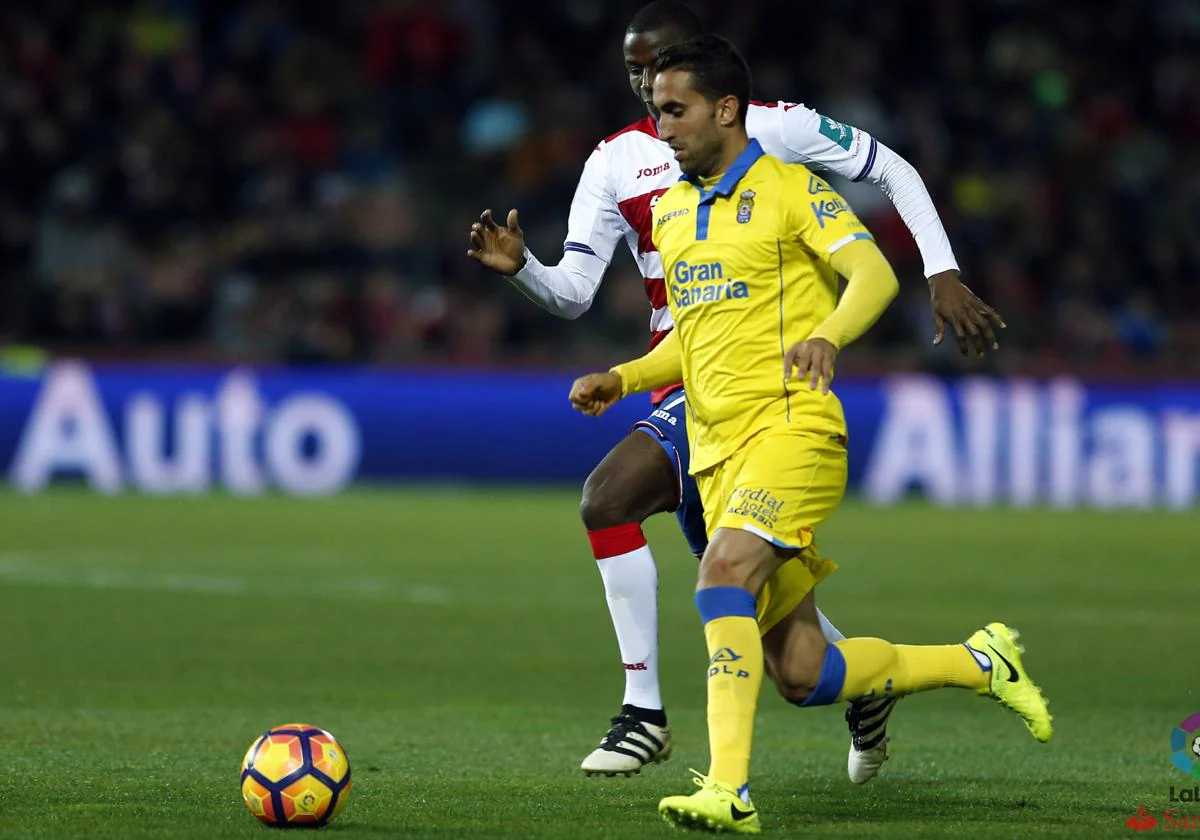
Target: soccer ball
[[1196, 746], [294, 775]]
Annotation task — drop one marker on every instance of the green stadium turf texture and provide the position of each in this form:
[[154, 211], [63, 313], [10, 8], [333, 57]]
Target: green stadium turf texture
[[456, 641]]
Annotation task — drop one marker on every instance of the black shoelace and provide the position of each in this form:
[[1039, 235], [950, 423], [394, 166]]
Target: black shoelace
[[622, 727]]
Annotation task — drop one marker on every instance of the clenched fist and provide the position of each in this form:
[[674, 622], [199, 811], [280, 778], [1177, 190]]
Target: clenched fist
[[595, 393]]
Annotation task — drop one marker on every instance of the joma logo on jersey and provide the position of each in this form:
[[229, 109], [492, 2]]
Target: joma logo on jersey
[[665, 415], [828, 208], [706, 283], [651, 171]]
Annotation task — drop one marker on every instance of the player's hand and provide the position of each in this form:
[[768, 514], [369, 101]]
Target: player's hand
[[813, 360], [969, 318], [502, 249], [595, 393]]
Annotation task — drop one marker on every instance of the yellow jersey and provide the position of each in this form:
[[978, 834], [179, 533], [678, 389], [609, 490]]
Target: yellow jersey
[[747, 271]]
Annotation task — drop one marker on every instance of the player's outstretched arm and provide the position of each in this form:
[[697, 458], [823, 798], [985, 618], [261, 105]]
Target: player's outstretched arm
[[970, 319], [565, 290], [805, 136], [594, 228]]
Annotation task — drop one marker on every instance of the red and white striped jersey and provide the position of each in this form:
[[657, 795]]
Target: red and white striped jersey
[[627, 172]]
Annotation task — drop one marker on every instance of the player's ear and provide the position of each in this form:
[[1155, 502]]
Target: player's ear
[[727, 111]]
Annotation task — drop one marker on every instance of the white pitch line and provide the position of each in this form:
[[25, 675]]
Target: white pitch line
[[24, 570]]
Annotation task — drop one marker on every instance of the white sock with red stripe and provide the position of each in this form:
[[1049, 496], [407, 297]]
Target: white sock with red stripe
[[631, 585]]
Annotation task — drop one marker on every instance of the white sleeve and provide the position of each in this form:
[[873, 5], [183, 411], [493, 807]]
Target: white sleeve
[[798, 134], [810, 138], [901, 183], [566, 289], [593, 231]]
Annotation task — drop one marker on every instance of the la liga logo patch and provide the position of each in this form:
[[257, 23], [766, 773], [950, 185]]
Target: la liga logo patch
[[1185, 746]]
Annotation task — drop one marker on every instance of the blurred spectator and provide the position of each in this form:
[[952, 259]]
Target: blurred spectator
[[269, 181]]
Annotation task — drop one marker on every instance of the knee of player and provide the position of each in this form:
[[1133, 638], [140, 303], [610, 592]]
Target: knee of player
[[601, 508], [795, 694], [795, 685], [720, 567]]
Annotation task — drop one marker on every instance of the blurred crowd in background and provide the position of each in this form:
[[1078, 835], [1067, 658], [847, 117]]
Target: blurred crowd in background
[[293, 182]]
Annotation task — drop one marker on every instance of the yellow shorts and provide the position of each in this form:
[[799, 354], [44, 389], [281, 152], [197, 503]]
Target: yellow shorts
[[780, 486]]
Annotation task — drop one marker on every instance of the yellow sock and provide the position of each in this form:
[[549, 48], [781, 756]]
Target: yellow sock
[[735, 675], [878, 667]]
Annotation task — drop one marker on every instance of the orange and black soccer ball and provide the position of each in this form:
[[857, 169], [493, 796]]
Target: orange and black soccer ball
[[295, 775]]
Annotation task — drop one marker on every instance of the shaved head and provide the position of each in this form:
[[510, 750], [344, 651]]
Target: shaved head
[[665, 14]]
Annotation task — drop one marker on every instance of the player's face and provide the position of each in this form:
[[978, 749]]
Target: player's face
[[641, 48], [688, 123]]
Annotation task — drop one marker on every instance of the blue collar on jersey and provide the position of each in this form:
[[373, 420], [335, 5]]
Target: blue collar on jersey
[[729, 180]]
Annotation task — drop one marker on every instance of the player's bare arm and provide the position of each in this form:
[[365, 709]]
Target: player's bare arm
[[970, 319], [498, 247]]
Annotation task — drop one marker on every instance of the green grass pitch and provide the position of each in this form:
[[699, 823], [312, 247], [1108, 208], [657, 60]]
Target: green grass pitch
[[457, 643]]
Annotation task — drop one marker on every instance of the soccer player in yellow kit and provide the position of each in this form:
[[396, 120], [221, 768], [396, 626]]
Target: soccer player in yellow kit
[[752, 248]]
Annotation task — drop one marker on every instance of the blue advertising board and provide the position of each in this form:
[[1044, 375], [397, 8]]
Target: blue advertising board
[[181, 430]]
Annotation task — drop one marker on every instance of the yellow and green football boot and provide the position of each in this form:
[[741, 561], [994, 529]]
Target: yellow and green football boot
[[1010, 685], [715, 808]]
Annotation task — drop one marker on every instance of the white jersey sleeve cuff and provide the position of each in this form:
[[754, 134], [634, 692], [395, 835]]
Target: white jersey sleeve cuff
[[567, 289]]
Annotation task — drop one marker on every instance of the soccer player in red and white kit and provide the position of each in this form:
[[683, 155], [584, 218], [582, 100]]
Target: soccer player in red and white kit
[[647, 472]]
